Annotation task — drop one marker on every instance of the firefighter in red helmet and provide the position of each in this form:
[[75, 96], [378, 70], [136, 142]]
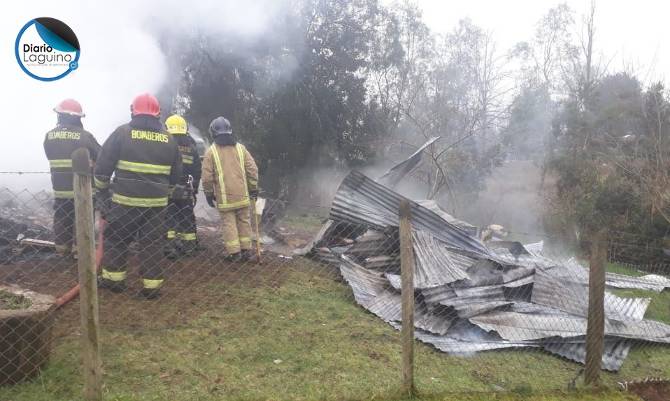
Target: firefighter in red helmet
[[59, 143], [146, 164]]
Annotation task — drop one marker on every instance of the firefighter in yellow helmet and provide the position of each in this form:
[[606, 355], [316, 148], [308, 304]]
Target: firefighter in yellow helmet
[[181, 235], [230, 180]]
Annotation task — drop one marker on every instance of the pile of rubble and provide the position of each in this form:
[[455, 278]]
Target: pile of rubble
[[24, 233], [472, 296]]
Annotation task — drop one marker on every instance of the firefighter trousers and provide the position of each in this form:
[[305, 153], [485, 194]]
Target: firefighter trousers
[[64, 225], [181, 233], [236, 230], [125, 225]]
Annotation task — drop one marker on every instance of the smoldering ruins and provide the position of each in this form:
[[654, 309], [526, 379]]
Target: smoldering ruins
[[473, 296]]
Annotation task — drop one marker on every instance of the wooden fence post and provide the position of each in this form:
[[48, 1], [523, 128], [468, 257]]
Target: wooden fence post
[[595, 332], [407, 277], [88, 296]]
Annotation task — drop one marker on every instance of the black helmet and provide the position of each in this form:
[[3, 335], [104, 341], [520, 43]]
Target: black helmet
[[220, 126]]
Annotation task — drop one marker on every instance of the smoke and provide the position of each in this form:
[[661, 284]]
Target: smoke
[[120, 58]]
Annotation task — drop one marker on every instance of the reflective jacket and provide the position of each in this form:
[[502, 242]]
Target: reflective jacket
[[59, 143], [190, 159], [145, 161], [229, 172]]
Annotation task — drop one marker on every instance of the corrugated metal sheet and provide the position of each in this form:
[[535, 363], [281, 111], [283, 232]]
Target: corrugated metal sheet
[[465, 226], [454, 346], [614, 353], [383, 263], [371, 291], [433, 266], [554, 288], [397, 172], [360, 200], [650, 282], [469, 298], [514, 326]]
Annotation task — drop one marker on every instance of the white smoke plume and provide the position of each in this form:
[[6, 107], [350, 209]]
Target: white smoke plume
[[120, 58]]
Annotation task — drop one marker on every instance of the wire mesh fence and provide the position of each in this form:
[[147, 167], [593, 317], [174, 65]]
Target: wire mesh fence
[[317, 316]]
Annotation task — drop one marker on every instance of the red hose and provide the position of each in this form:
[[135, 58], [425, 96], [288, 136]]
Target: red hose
[[74, 291]]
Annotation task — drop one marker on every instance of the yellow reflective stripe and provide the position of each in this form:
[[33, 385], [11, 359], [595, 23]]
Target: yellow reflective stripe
[[186, 159], [240, 154], [219, 169], [234, 205], [188, 236], [113, 276], [64, 194], [245, 240], [152, 284], [60, 163], [144, 168], [233, 243], [171, 234], [100, 183], [139, 202]]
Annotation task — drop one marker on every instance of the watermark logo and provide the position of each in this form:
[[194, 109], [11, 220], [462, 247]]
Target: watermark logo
[[47, 49]]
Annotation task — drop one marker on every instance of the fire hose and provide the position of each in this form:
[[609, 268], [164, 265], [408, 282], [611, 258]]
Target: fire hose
[[73, 292]]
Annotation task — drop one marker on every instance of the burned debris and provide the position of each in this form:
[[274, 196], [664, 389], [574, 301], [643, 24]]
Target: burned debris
[[472, 296]]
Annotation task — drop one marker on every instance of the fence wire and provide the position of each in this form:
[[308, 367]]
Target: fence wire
[[317, 316]]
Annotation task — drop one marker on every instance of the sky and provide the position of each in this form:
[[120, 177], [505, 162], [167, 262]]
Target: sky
[[628, 32], [120, 58]]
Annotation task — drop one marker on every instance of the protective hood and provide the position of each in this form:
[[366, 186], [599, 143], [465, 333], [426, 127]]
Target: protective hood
[[146, 122], [225, 140]]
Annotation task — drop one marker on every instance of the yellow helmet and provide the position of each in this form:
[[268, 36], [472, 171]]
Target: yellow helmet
[[176, 124]]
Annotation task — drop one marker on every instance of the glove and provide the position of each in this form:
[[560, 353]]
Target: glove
[[210, 200], [253, 194]]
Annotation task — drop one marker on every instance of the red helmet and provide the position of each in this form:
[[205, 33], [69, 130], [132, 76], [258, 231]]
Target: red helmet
[[71, 107], [145, 104]]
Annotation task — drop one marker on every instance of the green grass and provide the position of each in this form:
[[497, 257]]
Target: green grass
[[12, 302], [659, 308], [307, 340], [621, 269]]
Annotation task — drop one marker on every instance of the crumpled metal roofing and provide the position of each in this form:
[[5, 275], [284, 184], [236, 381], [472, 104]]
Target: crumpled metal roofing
[[434, 266], [470, 298], [570, 295], [650, 282], [360, 200], [433, 206], [615, 351], [397, 172]]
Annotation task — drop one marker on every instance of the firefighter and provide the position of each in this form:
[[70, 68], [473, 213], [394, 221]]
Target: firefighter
[[146, 164], [229, 180], [59, 143], [182, 239]]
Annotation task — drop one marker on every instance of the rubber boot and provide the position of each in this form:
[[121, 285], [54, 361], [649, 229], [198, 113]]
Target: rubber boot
[[247, 255], [233, 257], [149, 293], [116, 287]]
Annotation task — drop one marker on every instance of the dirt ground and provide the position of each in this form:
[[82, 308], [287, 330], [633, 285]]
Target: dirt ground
[[193, 286], [651, 391]]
